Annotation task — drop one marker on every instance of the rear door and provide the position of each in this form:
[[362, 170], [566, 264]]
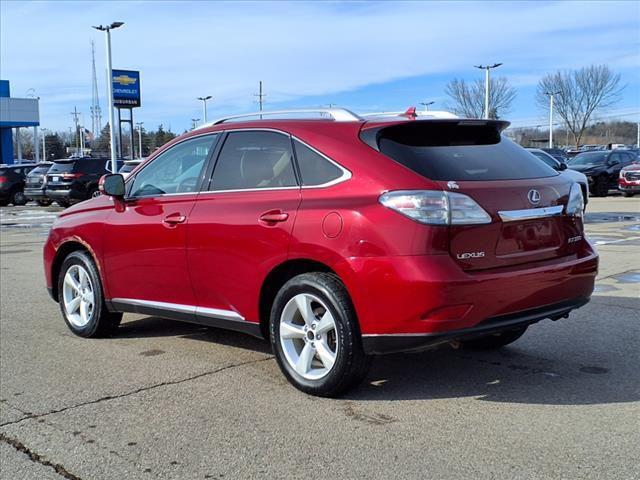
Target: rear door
[[524, 197], [241, 227]]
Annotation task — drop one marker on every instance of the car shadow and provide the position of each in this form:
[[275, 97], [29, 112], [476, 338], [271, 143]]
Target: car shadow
[[579, 361], [149, 327]]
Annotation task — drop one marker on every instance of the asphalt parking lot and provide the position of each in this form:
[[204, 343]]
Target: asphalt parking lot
[[170, 400]]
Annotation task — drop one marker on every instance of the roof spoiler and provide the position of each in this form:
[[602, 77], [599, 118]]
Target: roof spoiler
[[371, 135]]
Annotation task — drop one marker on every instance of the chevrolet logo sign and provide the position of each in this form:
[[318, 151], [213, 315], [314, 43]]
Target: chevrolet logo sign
[[124, 80]]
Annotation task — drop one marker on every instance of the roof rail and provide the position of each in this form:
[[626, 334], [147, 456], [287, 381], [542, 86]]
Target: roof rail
[[337, 114], [436, 114]]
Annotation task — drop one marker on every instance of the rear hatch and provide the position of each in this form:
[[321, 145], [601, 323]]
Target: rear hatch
[[36, 177], [62, 174], [524, 197]]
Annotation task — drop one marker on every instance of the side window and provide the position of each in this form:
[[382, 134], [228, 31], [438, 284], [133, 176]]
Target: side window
[[314, 168], [254, 160], [614, 159], [175, 171]]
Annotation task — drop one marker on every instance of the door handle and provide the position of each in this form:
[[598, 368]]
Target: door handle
[[174, 219], [274, 216]]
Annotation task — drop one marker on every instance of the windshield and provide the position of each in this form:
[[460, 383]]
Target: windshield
[[545, 158], [590, 158]]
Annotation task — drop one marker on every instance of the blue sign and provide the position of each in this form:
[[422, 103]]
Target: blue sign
[[126, 88]]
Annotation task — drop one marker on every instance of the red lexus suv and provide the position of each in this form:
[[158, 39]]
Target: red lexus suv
[[335, 237]]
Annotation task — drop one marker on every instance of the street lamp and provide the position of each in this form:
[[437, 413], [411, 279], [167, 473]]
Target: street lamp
[[551, 94], [204, 106], [44, 147], [139, 125], [426, 104], [112, 129], [486, 68]]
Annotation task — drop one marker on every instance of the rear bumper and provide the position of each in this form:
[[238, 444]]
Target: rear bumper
[[629, 187], [35, 193], [422, 300], [381, 344], [64, 194]]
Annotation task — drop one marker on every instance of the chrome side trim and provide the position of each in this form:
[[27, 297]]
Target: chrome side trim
[[218, 313], [346, 174], [530, 213], [188, 309], [400, 334]]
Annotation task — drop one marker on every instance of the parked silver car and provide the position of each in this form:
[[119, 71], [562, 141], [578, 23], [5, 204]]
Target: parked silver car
[[577, 177]]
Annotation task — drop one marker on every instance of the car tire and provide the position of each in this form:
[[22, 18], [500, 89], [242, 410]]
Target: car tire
[[320, 352], [94, 192], [81, 299], [18, 198], [63, 203], [497, 340], [4, 203], [627, 194], [44, 203], [601, 187]]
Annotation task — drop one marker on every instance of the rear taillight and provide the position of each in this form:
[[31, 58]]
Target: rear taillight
[[3, 179], [575, 205], [435, 207], [68, 176]]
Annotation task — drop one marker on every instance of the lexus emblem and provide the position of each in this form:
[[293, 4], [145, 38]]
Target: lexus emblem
[[534, 197]]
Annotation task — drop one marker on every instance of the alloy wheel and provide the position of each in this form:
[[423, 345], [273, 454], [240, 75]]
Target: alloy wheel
[[308, 336], [78, 295]]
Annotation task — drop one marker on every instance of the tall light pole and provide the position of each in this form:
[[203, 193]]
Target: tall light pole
[[112, 128], [426, 104], [486, 68], [551, 94], [204, 106], [139, 125], [44, 147]]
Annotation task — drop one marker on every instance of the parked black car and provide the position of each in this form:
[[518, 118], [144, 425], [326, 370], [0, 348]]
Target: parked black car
[[75, 179], [557, 153], [12, 179], [35, 183], [602, 168]]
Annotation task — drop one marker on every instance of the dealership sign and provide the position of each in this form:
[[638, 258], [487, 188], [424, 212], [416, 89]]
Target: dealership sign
[[126, 88]]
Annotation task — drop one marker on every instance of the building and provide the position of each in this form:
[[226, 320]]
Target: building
[[16, 113]]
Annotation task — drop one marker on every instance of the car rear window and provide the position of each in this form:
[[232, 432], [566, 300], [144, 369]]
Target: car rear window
[[62, 167], [451, 151], [91, 165], [40, 170]]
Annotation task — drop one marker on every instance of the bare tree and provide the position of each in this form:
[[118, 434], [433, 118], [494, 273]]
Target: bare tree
[[578, 94], [468, 98]]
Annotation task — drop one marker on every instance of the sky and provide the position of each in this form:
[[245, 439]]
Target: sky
[[365, 56]]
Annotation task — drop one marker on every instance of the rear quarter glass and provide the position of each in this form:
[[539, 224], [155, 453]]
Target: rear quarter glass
[[447, 151]]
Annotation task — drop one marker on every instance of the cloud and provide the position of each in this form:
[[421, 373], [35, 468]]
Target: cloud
[[300, 50]]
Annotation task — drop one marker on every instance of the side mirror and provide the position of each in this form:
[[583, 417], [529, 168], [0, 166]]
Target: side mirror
[[112, 184], [562, 166]]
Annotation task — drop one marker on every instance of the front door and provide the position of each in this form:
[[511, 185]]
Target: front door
[[144, 239]]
